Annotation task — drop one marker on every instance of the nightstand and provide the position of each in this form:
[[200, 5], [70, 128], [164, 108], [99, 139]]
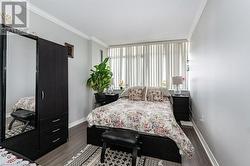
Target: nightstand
[[109, 98], [181, 105]]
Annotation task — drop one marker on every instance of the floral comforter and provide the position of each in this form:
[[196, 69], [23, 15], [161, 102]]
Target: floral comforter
[[27, 103], [143, 116]]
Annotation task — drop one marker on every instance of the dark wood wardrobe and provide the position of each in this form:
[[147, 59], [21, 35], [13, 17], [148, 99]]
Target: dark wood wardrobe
[[51, 99]]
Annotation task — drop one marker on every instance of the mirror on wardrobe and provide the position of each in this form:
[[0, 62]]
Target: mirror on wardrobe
[[20, 84]]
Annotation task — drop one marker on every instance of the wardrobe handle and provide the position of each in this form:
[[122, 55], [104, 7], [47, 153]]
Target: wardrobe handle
[[42, 94], [54, 131], [56, 140], [56, 120]]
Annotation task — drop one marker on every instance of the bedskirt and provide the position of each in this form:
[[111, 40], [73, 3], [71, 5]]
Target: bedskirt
[[152, 146]]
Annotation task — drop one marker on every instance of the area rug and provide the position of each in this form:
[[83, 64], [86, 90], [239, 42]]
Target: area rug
[[16, 130], [90, 156]]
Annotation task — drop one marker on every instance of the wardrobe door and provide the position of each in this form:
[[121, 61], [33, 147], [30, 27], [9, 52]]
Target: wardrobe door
[[47, 82], [61, 80], [53, 79]]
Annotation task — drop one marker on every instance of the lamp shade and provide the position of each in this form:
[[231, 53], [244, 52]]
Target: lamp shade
[[177, 80]]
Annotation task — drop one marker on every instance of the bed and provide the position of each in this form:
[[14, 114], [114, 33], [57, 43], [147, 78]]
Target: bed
[[26, 103], [161, 136]]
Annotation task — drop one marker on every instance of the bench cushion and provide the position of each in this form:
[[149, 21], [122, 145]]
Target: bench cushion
[[24, 114], [121, 137]]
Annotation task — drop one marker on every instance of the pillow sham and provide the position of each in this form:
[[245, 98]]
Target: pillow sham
[[137, 93], [124, 94], [154, 95], [157, 94], [164, 91]]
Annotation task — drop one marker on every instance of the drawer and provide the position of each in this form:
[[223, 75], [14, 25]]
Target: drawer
[[181, 101], [181, 109], [26, 144], [183, 117], [51, 141], [54, 123], [178, 105], [54, 130]]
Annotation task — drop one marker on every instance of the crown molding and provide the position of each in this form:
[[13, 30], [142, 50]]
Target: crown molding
[[61, 23], [99, 41], [197, 18], [55, 20]]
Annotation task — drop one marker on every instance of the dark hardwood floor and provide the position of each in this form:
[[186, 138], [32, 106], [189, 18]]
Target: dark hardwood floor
[[77, 141]]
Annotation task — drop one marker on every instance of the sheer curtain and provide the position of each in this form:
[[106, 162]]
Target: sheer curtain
[[149, 64]]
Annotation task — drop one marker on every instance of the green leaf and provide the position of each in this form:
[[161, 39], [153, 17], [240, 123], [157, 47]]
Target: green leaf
[[100, 77]]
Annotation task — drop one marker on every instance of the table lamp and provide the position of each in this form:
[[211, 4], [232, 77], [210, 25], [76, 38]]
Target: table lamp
[[177, 81]]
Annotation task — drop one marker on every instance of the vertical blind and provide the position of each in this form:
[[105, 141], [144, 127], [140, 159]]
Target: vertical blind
[[149, 64]]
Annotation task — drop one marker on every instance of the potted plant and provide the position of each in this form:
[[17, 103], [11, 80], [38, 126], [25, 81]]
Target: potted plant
[[100, 79]]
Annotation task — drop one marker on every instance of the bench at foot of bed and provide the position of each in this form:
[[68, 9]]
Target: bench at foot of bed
[[152, 146]]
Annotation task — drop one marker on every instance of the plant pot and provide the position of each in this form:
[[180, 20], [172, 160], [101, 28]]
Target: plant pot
[[100, 97]]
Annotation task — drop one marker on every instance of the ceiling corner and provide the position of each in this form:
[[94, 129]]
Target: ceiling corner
[[99, 41], [197, 19]]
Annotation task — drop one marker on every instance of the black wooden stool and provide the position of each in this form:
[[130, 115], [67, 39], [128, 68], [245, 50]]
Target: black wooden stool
[[121, 138], [22, 115]]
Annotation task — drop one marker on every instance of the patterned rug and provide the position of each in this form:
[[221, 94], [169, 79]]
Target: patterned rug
[[16, 130], [90, 156]]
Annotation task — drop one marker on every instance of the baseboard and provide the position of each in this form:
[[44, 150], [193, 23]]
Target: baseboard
[[205, 145], [75, 123]]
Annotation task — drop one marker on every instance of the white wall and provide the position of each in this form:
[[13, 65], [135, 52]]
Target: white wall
[[94, 49], [219, 71], [20, 69], [78, 66], [96, 54]]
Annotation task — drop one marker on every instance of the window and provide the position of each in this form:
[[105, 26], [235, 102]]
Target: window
[[151, 64]]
